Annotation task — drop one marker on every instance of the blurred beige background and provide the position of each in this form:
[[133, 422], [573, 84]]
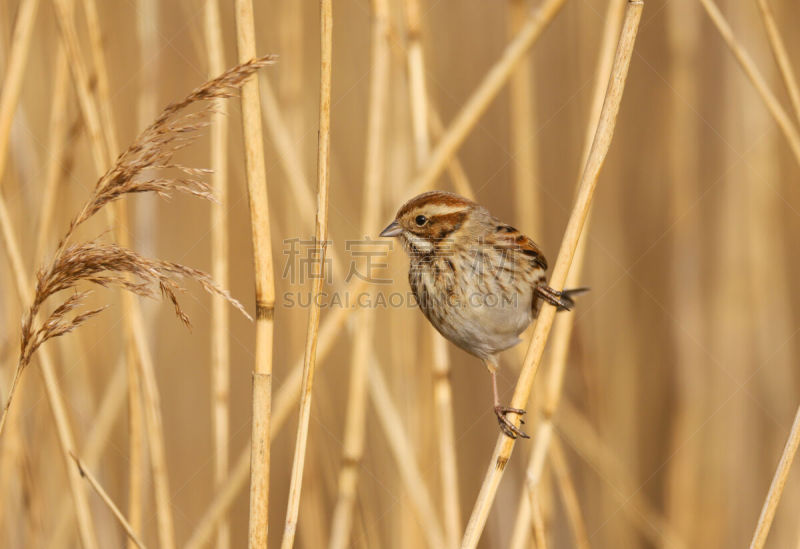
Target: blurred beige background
[[681, 384]]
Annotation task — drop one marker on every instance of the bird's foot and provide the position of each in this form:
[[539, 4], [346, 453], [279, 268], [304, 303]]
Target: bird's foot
[[506, 425]]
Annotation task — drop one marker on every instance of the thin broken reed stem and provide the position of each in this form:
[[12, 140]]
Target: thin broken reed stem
[[108, 502], [321, 239], [600, 146], [777, 485]]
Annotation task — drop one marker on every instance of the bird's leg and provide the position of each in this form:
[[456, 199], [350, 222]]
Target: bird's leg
[[506, 425]]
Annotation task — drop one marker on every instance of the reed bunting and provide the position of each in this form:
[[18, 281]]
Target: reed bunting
[[479, 281]]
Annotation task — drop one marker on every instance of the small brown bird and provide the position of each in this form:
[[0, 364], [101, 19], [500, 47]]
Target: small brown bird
[[479, 281]]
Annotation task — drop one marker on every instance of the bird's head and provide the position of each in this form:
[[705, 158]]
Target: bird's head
[[431, 218]]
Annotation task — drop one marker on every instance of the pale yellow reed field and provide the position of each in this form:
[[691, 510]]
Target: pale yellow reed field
[[661, 410]]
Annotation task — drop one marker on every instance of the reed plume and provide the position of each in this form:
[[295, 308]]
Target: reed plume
[[146, 166]]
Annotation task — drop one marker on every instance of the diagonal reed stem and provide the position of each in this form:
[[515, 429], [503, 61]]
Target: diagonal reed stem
[[599, 150], [98, 488], [321, 237], [781, 56], [563, 324], [777, 485], [754, 75]]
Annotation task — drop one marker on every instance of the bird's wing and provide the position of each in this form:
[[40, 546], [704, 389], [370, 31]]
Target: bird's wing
[[509, 238]]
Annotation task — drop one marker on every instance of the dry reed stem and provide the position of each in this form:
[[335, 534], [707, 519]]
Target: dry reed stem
[[416, 82], [403, 452], [442, 391], [9, 97], [14, 73], [537, 520], [289, 158], [487, 90], [600, 146], [220, 315], [108, 264], [321, 239], [524, 145], [777, 485], [285, 401], [108, 502], [58, 130], [563, 324], [86, 529], [781, 56], [103, 139], [590, 447], [264, 281], [569, 496], [104, 419], [454, 168], [118, 217], [756, 78], [355, 419]]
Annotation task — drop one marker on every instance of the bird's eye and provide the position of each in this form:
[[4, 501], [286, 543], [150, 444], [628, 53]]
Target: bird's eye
[[421, 220]]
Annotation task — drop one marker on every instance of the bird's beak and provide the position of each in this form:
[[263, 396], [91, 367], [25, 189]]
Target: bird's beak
[[393, 229]]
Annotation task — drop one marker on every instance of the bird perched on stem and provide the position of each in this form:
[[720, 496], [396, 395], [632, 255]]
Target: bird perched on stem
[[479, 281]]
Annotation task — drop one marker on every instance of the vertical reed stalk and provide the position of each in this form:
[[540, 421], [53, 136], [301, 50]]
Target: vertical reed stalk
[[58, 130], [524, 145], [15, 70], [684, 501], [781, 56], [289, 158], [596, 158], [442, 391], [321, 238], [487, 90], [264, 279], [285, 401], [563, 324], [220, 314], [776, 487], [355, 422]]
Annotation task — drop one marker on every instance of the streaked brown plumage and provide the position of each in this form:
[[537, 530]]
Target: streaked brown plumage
[[479, 281]]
